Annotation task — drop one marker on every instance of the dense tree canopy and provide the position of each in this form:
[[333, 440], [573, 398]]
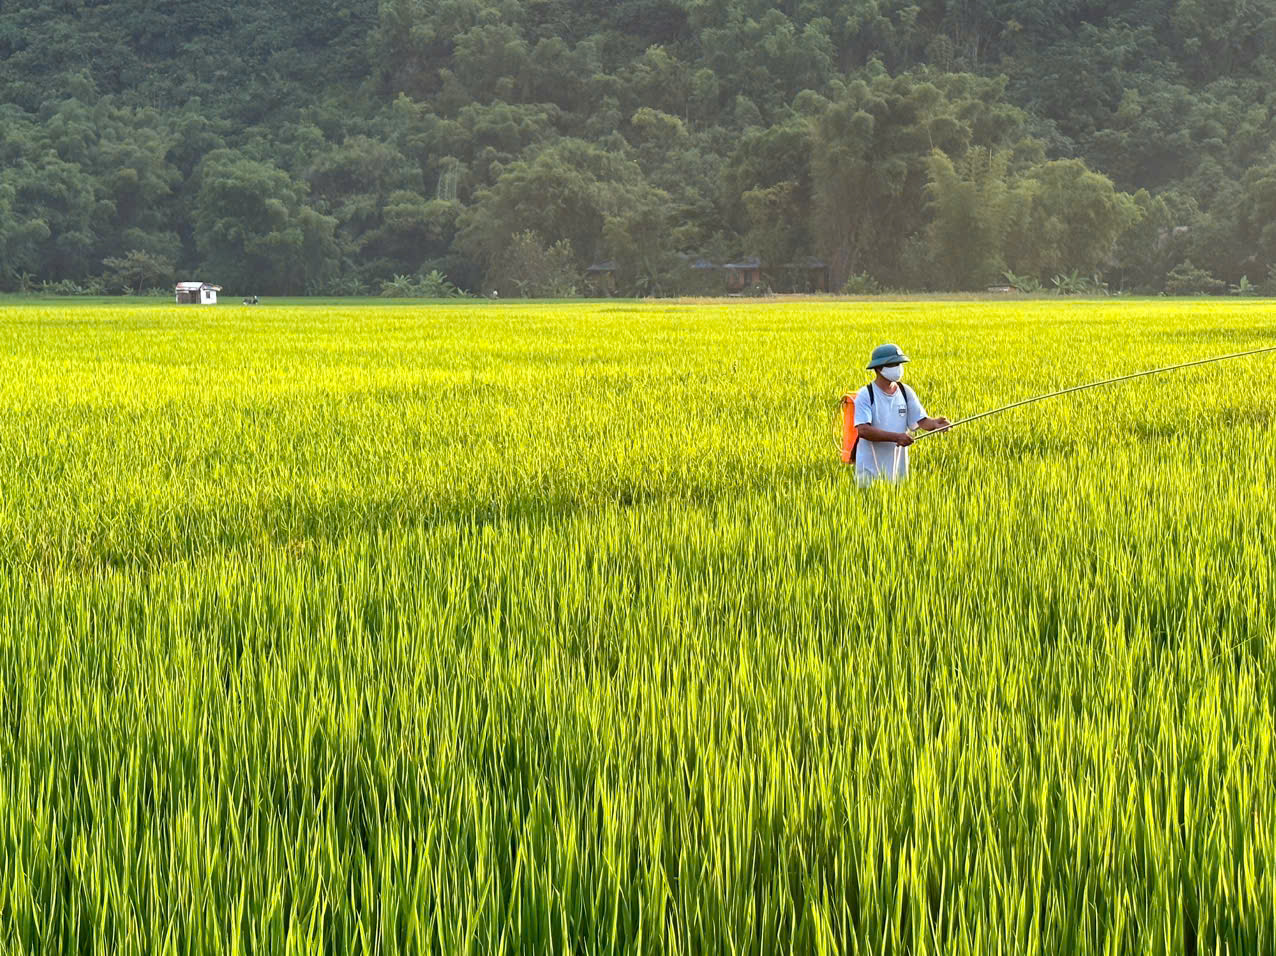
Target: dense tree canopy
[[924, 144]]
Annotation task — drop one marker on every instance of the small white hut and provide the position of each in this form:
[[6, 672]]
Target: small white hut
[[197, 293]]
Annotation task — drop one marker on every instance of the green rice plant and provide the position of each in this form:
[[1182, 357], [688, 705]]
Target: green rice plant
[[544, 628]]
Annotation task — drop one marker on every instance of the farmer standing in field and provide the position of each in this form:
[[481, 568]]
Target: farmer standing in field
[[886, 411]]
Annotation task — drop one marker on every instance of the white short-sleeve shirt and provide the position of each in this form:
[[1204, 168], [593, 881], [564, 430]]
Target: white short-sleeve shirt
[[899, 412]]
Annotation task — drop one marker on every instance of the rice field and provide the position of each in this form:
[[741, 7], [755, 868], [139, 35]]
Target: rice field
[[527, 629]]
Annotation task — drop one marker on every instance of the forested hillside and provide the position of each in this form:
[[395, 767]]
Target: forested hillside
[[286, 147]]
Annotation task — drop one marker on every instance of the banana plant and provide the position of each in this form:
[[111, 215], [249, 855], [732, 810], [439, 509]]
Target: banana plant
[[1093, 285], [1244, 287], [1068, 284], [1026, 284]]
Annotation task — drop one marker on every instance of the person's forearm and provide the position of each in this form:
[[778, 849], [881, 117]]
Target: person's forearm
[[873, 433], [931, 424]]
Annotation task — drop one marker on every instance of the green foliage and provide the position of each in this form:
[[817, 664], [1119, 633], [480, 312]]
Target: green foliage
[[1094, 285], [596, 204], [399, 287], [435, 285], [530, 268], [1055, 217], [1187, 279], [1148, 249], [1257, 215], [872, 155], [1244, 288], [254, 230], [861, 284], [137, 271], [770, 173], [1074, 283], [1067, 284], [975, 210], [1074, 219], [375, 194], [64, 287], [432, 285], [1028, 285], [400, 135]]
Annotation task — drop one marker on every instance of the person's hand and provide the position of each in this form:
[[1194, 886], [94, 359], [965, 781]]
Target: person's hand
[[941, 424], [903, 439]]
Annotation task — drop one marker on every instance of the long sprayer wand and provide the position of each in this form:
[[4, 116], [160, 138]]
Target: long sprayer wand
[[1106, 381]]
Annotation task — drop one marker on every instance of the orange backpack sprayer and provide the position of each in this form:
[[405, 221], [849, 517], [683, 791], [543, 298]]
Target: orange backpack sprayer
[[850, 435]]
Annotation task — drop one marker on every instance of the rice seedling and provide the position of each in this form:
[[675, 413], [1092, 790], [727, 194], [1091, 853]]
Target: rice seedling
[[560, 628]]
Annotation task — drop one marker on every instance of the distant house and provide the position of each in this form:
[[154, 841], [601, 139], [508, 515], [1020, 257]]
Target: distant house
[[602, 277], [197, 293], [744, 274], [803, 276], [698, 276], [808, 275]]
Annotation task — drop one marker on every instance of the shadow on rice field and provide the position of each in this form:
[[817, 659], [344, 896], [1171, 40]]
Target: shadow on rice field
[[298, 526]]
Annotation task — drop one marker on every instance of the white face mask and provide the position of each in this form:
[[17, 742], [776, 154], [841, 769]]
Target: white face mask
[[892, 374]]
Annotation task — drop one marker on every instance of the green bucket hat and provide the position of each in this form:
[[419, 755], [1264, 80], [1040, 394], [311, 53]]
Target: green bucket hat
[[886, 355]]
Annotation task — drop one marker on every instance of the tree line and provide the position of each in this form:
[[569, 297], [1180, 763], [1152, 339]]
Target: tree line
[[426, 146]]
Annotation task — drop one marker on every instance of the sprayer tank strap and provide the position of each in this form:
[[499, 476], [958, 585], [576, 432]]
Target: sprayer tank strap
[[896, 412], [909, 399], [870, 388]]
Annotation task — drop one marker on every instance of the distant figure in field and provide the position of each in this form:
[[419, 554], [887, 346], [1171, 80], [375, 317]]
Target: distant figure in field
[[886, 411], [251, 300]]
